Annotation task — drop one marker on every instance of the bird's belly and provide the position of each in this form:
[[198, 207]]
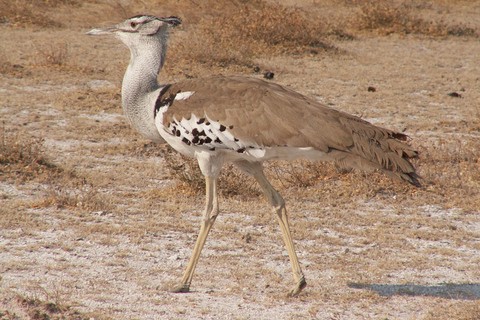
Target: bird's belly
[[252, 154], [177, 144], [278, 153]]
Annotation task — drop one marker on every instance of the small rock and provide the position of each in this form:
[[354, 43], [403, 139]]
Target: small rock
[[455, 95], [371, 89], [247, 237], [268, 75]]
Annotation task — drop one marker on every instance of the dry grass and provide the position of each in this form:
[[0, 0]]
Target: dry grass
[[34, 308], [52, 55], [234, 33], [452, 310], [452, 168], [185, 170], [22, 159], [21, 13], [389, 16], [66, 158], [441, 173], [81, 195]]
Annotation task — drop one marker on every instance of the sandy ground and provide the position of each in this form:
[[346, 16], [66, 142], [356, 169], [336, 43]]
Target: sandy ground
[[391, 256]]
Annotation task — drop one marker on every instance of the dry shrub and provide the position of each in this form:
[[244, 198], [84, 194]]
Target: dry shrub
[[34, 308], [299, 173], [231, 182], [80, 195], [388, 16], [450, 176], [6, 67], [22, 159], [21, 13], [451, 171], [183, 169], [55, 55], [235, 32], [271, 26]]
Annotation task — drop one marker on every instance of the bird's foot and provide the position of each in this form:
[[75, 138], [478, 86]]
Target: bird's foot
[[298, 287], [182, 287]]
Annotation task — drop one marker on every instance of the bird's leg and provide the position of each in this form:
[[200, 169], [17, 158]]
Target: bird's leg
[[209, 216], [278, 205]]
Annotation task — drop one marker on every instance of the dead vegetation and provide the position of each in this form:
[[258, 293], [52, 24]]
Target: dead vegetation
[[388, 17], [99, 182], [233, 33], [22, 13], [191, 181], [52, 55], [452, 168], [445, 169], [22, 159], [34, 308]]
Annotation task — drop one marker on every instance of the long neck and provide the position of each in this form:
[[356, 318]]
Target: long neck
[[140, 84]]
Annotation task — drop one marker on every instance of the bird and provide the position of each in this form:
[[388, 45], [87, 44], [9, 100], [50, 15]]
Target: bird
[[245, 121]]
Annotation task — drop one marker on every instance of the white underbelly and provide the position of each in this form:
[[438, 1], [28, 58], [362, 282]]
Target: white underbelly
[[253, 154]]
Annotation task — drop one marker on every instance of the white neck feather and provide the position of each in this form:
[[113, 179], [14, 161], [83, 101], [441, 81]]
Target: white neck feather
[[140, 87]]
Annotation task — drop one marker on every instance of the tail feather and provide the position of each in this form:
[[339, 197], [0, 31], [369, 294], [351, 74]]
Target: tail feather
[[380, 149]]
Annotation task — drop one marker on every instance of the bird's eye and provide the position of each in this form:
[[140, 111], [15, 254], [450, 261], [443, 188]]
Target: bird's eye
[[133, 25]]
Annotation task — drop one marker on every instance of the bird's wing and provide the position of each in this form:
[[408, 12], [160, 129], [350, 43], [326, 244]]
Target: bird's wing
[[259, 112], [264, 114]]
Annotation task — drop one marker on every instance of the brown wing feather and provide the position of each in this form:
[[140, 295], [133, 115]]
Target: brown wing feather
[[269, 115]]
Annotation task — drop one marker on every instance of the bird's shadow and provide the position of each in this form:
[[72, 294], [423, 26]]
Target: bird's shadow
[[458, 291]]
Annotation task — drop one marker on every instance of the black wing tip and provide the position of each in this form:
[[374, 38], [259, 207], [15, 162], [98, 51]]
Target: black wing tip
[[412, 178]]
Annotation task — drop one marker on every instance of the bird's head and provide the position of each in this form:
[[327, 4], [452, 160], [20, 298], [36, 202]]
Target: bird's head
[[138, 27]]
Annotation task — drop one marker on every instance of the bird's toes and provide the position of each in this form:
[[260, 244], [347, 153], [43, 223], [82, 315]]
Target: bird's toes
[[180, 288], [297, 288]]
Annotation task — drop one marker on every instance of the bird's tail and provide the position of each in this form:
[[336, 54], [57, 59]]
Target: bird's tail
[[382, 149]]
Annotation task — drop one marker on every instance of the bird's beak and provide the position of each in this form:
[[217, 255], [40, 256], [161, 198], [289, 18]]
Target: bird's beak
[[102, 31]]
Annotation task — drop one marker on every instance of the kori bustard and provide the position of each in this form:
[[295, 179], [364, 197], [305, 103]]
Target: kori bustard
[[244, 121]]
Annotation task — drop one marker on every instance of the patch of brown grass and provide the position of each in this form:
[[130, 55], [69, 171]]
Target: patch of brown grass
[[34, 308], [235, 32], [455, 310], [388, 16], [231, 182], [21, 13], [451, 176], [451, 171], [22, 159], [300, 173], [52, 55], [81, 195], [107, 99]]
